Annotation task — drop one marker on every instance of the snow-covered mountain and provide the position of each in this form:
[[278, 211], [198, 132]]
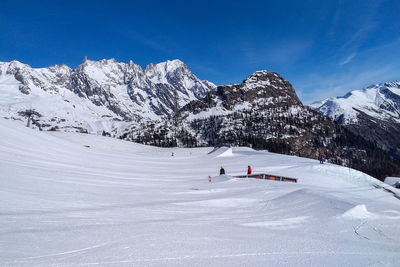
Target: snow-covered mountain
[[380, 101], [373, 113], [167, 105], [97, 95]]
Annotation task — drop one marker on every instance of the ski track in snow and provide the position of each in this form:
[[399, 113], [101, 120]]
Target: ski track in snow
[[117, 203]]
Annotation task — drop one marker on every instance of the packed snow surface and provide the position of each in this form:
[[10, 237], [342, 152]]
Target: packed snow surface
[[393, 181], [70, 199]]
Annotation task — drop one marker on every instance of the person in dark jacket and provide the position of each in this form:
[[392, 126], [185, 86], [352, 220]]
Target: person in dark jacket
[[248, 170], [222, 171], [321, 158]]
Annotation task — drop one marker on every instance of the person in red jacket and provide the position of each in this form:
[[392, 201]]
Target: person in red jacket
[[248, 170]]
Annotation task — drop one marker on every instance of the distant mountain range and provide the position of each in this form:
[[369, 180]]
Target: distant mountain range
[[98, 95], [167, 105], [373, 113]]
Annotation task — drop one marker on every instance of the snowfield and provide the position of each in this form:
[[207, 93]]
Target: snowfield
[[70, 199]]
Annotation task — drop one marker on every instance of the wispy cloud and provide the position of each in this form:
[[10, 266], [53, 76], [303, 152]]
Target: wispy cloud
[[348, 59], [375, 65], [359, 37], [340, 84], [364, 29], [352, 46]]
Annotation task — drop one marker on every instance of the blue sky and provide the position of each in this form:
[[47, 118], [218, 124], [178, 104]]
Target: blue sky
[[324, 48]]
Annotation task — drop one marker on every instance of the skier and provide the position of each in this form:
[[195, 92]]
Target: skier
[[321, 158], [222, 171], [248, 170]]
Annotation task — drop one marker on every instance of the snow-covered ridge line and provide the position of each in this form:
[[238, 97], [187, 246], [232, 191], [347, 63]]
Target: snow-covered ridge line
[[381, 101], [98, 93]]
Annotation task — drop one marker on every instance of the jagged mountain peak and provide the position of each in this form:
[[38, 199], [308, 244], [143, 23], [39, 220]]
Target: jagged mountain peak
[[256, 75], [176, 74], [264, 84], [104, 63], [23, 71], [261, 91], [265, 79], [160, 72], [124, 90], [12, 67], [172, 65], [16, 63], [108, 71], [166, 66], [261, 75], [59, 67], [101, 61]]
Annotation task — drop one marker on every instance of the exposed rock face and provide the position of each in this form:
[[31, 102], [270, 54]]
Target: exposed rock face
[[261, 90], [177, 75], [384, 133], [122, 91], [373, 113]]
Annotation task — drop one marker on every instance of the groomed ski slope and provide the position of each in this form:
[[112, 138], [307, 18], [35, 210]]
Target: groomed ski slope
[[82, 200]]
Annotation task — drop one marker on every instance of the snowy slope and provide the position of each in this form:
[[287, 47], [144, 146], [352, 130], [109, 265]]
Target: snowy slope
[[70, 199], [380, 101]]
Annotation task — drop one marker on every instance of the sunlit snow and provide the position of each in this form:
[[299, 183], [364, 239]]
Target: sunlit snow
[[71, 199]]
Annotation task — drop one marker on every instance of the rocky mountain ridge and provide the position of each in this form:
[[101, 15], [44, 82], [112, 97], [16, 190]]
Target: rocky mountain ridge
[[167, 105], [98, 92]]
